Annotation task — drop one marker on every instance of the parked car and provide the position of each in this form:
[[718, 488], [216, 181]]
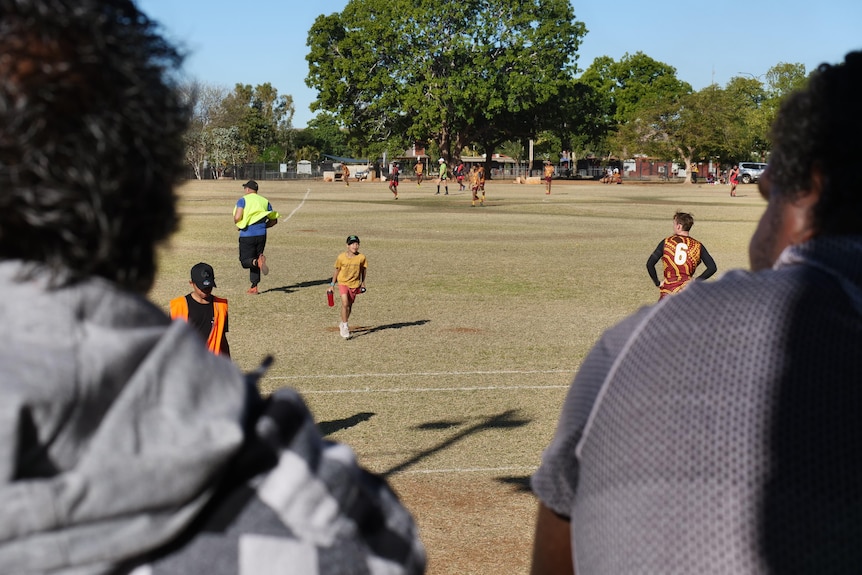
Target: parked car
[[750, 171]]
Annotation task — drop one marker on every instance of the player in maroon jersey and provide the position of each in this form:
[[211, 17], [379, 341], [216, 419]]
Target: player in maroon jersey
[[680, 255]]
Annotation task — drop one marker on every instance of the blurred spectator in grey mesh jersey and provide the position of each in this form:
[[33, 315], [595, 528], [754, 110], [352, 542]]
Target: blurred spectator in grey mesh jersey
[[718, 431]]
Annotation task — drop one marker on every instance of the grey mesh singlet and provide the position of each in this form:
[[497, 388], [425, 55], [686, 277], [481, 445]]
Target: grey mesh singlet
[[721, 430]]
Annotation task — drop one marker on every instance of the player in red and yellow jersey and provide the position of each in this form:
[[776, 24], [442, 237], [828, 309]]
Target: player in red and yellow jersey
[[680, 255]]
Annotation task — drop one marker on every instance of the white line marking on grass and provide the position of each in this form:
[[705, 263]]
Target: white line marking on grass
[[296, 209], [470, 470], [421, 374], [429, 389]]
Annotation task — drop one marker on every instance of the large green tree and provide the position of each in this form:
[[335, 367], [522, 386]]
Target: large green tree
[[324, 133], [622, 89], [781, 80], [756, 104], [748, 98], [634, 80], [688, 128], [453, 73], [263, 119]]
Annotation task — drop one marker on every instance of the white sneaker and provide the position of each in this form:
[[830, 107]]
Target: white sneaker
[[345, 331]]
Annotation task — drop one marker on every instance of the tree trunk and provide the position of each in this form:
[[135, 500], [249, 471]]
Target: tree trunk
[[444, 141], [488, 149], [688, 164], [458, 144]]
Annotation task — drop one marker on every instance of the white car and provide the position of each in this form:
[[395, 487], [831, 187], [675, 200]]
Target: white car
[[750, 171]]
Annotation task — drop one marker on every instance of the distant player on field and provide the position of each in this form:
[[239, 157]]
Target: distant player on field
[[393, 179], [419, 170], [680, 254], [477, 184], [734, 180], [345, 174], [549, 176], [442, 176], [459, 176]]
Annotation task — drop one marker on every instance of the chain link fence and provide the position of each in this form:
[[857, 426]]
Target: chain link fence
[[263, 172]]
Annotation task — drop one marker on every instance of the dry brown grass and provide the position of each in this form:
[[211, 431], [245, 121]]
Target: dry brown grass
[[474, 322]]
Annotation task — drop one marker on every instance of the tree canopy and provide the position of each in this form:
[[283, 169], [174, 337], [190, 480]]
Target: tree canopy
[[249, 124], [656, 114], [484, 75], [453, 72]]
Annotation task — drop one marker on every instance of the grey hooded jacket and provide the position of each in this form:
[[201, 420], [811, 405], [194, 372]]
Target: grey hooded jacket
[[125, 446]]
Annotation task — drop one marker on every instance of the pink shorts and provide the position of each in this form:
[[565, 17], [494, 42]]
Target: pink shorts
[[349, 291]]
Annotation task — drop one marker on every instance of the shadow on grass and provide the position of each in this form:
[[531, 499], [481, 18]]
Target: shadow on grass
[[360, 331], [330, 427], [300, 285], [437, 425], [520, 483], [503, 420]]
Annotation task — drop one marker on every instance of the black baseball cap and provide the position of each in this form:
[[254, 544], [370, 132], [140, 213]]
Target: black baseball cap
[[203, 276], [251, 184], [351, 239]]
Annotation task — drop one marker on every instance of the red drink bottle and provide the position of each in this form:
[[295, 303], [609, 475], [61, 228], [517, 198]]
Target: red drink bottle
[[330, 298]]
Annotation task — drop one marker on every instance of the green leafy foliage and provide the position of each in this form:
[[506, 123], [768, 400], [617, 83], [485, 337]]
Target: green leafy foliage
[[652, 112], [453, 73], [247, 125]]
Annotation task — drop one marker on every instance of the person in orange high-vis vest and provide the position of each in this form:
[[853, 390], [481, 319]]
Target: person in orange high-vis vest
[[206, 313]]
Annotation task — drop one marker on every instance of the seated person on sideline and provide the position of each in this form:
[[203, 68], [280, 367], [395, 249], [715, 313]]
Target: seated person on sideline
[[127, 445], [719, 431], [204, 311]]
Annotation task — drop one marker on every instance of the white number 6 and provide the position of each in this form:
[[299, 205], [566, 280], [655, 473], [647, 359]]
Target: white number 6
[[681, 254]]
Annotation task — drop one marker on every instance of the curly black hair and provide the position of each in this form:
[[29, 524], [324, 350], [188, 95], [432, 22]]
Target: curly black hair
[[817, 130], [91, 125]]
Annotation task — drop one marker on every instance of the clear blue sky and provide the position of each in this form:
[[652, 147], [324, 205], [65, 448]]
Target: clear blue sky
[[258, 41]]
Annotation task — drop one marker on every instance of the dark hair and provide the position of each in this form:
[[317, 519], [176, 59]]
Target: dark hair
[[91, 127], [684, 219], [818, 128]]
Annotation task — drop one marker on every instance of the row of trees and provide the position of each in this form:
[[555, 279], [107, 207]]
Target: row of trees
[[252, 125], [228, 128], [485, 76], [669, 120], [493, 74]]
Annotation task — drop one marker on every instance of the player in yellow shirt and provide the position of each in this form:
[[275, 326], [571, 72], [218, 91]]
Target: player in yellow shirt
[[349, 275]]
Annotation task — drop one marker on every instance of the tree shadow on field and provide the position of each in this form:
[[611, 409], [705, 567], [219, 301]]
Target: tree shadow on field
[[360, 331], [299, 285], [504, 420], [520, 483], [438, 425], [330, 427]]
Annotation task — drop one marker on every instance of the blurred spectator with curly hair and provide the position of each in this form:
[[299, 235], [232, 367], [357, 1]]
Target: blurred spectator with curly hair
[[125, 445]]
